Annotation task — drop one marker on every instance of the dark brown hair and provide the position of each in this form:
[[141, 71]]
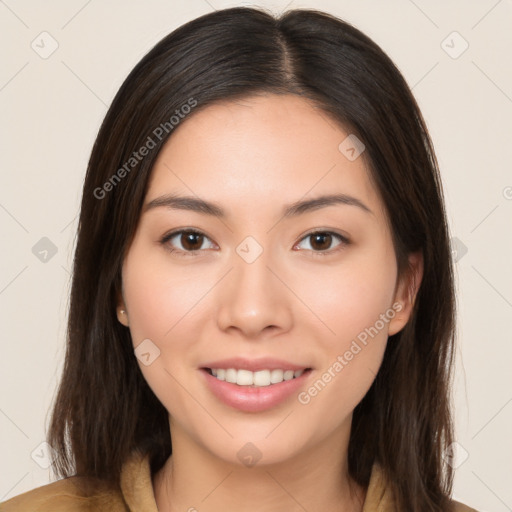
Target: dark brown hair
[[104, 408]]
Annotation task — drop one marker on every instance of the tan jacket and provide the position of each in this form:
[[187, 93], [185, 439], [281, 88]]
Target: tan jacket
[[137, 494]]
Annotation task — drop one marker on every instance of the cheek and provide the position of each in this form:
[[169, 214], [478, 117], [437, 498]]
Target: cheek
[[343, 305], [160, 299], [167, 307], [162, 306], [354, 302], [350, 296]]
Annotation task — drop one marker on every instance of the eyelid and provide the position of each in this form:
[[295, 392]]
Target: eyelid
[[344, 240], [328, 231], [171, 234]]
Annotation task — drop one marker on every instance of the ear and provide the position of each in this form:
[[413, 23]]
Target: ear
[[405, 293], [122, 313]]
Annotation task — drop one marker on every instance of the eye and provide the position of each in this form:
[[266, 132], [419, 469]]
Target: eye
[[321, 242], [189, 241]]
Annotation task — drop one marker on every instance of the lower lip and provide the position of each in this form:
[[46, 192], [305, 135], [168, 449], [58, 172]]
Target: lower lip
[[253, 399]]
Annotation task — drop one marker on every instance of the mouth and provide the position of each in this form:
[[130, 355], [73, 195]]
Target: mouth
[[255, 384], [256, 379], [255, 392]]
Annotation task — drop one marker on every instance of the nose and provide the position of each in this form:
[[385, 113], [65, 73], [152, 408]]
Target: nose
[[254, 301]]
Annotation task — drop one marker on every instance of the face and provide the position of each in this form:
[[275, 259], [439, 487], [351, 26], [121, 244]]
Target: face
[[249, 275]]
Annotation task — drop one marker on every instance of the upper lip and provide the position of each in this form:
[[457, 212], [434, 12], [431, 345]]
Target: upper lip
[[254, 365]]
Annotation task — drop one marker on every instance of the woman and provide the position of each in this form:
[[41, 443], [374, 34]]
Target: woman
[[263, 276]]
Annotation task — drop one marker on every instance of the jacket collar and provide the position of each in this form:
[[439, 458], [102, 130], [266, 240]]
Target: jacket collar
[[137, 487]]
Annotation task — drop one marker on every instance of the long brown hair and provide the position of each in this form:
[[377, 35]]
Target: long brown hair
[[104, 408]]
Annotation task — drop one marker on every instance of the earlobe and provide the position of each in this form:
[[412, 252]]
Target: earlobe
[[122, 316], [406, 293]]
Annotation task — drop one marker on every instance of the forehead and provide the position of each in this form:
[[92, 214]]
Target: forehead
[[259, 150]]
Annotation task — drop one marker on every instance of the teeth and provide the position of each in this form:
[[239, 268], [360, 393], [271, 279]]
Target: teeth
[[258, 379]]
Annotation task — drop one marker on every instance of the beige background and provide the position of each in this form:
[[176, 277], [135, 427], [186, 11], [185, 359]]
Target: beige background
[[51, 109]]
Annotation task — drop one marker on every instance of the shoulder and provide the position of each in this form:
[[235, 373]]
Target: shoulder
[[380, 495], [65, 495], [460, 507]]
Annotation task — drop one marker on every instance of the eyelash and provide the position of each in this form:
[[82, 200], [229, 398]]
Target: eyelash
[[165, 239]]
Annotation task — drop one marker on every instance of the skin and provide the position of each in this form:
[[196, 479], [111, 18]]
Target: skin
[[253, 157]]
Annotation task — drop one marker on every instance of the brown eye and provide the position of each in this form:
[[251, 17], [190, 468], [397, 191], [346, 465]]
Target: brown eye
[[185, 241], [322, 241], [191, 241]]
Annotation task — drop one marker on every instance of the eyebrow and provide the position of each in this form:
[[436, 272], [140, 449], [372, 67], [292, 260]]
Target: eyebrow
[[195, 204]]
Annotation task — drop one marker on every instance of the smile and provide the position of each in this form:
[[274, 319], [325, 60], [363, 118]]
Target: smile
[[249, 396], [256, 379]]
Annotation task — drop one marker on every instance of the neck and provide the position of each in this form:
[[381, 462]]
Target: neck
[[193, 479]]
